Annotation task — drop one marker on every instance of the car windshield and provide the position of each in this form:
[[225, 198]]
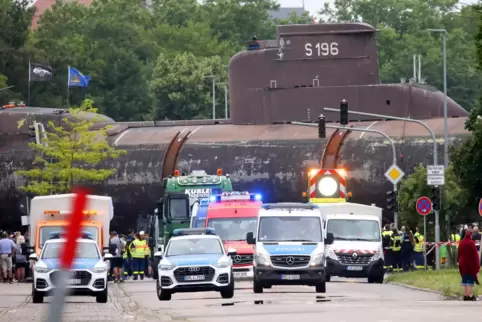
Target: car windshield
[[84, 250], [307, 229], [194, 246], [233, 228], [179, 209], [47, 230], [357, 230]]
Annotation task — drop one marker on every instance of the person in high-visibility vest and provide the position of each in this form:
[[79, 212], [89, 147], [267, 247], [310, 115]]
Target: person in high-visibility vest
[[147, 254], [138, 249], [418, 250], [387, 249], [397, 240], [125, 260]]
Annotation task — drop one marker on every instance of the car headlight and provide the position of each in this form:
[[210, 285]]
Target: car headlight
[[165, 267], [262, 259], [317, 260], [222, 264], [42, 269], [377, 256], [331, 254], [100, 269]]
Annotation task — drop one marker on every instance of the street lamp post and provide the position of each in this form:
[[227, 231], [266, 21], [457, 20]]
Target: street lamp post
[[213, 77], [446, 132]]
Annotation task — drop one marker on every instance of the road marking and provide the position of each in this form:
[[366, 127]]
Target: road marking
[[120, 136], [369, 126], [193, 131]]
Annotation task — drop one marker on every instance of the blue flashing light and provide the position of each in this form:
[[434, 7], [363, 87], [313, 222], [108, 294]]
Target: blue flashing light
[[258, 197], [204, 202], [212, 199], [193, 231]]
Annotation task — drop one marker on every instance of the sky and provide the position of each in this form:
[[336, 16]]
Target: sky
[[314, 6]]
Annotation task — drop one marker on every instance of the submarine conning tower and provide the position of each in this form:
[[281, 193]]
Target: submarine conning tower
[[316, 66]]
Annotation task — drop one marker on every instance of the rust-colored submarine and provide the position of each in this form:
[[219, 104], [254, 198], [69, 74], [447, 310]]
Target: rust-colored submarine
[[311, 67]]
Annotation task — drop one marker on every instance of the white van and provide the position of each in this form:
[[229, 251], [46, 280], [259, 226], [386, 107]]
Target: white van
[[289, 247], [357, 250]]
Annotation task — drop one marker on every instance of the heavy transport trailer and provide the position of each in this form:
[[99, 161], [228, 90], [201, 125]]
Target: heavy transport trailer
[[180, 195]]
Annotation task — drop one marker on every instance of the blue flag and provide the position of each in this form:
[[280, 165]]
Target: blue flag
[[76, 79]]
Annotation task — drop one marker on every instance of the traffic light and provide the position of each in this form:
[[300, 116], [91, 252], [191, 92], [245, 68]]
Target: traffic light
[[344, 112], [321, 127], [392, 203], [436, 198]]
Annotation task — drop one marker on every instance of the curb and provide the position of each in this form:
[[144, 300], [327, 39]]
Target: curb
[[447, 297]]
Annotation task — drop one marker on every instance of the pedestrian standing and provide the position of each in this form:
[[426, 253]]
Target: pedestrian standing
[[387, 248], [7, 250], [396, 250], [469, 266], [407, 249], [418, 249], [137, 250], [128, 260], [116, 248], [21, 259]]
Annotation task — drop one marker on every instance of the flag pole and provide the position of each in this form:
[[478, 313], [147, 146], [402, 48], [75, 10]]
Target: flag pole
[[29, 79], [68, 89]]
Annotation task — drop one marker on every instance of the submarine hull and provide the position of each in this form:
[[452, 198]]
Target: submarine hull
[[275, 168]]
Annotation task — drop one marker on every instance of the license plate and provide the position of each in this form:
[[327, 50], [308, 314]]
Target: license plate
[[354, 268], [74, 281], [290, 277], [195, 278], [240, 274]]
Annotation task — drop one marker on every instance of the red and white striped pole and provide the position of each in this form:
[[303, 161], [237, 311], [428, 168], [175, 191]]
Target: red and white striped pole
[[67, 256]]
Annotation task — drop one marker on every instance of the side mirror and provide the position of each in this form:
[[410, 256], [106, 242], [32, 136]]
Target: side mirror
[[250, 238], [329, 239], [33, 257], [158, 254], [108, 256], [232, 252]]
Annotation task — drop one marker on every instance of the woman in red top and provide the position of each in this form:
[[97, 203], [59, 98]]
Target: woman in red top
[[468, 265]]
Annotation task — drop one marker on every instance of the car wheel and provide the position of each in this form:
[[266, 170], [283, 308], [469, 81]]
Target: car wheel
[[228, 291], [102, 297], [257, 287], [37, 297], [162, 295], [321, 287]]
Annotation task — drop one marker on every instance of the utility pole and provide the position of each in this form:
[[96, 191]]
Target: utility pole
[[435, 163]]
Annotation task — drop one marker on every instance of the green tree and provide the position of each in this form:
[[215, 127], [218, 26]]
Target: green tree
[[16, 18], [402, 33], [70, 154], [467, 158], [181, 88], [415, 186]]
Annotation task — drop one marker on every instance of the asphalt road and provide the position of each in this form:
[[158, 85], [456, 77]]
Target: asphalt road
[[345, 300]]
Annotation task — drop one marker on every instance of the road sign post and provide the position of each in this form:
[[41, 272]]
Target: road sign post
[[435, 160], [424, 207], [393, 168]]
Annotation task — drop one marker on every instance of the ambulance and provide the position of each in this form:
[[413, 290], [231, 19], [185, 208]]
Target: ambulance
[[49, 214], [233, 215]]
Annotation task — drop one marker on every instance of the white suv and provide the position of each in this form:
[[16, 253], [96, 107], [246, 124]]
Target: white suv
[[88, 274], [195, 263]]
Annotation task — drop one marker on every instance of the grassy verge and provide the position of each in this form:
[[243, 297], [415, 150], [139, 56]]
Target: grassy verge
[[446, 281]]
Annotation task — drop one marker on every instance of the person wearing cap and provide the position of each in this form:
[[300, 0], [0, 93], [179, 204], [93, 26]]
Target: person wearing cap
[[7, 249]]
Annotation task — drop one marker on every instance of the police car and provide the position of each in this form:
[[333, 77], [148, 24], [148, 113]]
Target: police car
[[88, 275], [195, 261]]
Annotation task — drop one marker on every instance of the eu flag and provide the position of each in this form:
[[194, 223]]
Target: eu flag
[[76, 79]]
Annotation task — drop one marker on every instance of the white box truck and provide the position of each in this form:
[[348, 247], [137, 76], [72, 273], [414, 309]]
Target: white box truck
[[49, 214], [357, 250]]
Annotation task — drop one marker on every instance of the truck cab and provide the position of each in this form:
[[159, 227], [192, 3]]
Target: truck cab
[[233, 215], [289, 246], [357, 250], [50, 214]]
